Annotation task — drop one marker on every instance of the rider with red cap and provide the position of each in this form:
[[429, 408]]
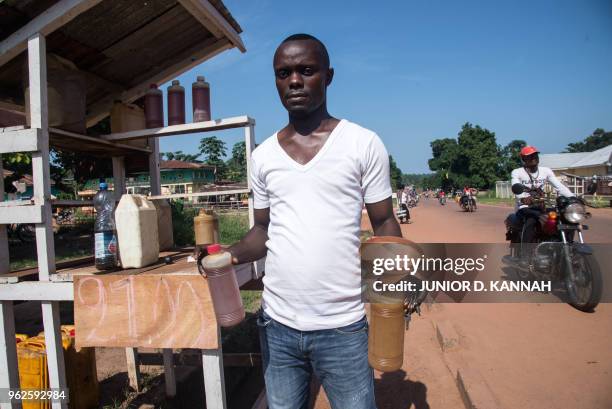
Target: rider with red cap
[[533, 176]]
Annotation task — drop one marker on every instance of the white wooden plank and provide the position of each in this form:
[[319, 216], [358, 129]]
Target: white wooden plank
[[45, 23], [9, 375], [169, 375], [154, 172], [37, 67], [210, 18], [200, 194], [214, 380], [21, 214], [98, 141], [37, 290], [118, 176], [249, 140], [24, 140], [133, 368], [192, 58], [10, 106], [13, 203], [4, 250], [55, 350], [244, 273], [183, 129]]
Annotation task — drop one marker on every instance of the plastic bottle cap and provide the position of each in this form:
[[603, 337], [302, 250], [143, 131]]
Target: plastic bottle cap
[[103, 186], [214, 249], [200, 78], [175, 82]]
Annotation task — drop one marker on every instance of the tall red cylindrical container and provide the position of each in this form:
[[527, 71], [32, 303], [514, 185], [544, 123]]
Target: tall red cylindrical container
[[200, 98], [154, 108], [176, 104]]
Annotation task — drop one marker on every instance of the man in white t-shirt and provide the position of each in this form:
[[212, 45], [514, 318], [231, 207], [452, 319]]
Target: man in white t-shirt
[[309, 182]]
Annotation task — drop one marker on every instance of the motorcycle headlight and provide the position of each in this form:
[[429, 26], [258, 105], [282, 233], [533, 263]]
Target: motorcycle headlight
[[574, 213]]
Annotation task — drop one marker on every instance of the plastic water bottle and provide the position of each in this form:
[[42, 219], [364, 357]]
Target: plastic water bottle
[[104, 229], [223, 286]]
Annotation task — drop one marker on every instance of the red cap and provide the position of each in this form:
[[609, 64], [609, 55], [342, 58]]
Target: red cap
[[529, 150], [214, 249], [72, 332]]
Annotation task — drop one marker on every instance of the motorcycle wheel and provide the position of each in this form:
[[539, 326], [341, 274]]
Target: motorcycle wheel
[[585, 290]]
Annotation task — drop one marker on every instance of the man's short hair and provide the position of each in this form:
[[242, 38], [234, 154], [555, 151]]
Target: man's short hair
[[302, 37]]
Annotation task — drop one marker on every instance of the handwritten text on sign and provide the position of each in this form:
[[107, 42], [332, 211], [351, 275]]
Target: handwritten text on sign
[[155, 311]]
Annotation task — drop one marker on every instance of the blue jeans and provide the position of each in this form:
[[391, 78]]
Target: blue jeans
[[338, 357]]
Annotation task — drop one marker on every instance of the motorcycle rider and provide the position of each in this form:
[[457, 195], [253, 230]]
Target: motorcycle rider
[[533, 176], [403, 202]]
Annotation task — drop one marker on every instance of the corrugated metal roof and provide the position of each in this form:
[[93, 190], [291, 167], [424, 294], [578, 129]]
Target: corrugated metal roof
[[560, 161], [179, 164]]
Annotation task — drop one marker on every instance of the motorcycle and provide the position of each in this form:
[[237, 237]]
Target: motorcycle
[[402, 214], [442, 200], [556, 254], [468, 203]]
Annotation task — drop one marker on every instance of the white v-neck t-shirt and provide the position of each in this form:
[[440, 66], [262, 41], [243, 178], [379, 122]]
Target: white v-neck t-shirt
[[312, 275]]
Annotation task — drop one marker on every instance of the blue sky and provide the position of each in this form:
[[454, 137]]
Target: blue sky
[[414, 71]]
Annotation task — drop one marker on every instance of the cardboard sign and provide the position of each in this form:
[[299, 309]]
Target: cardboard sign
[[153, 311]]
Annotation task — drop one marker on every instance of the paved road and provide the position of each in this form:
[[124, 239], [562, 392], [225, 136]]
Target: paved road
[[531, 355]]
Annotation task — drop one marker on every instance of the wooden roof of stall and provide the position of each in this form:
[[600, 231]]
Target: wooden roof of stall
[[121, 45]]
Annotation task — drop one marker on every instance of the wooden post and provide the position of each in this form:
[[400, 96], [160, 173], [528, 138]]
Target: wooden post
[[155, 183], [154, 175], [249, 140], [214, 379], [169, 373], [37, 66], [118, 176], [9, 378], [133, 368]]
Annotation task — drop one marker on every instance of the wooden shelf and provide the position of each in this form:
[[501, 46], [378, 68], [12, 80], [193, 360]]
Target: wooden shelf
[[195, 127], [75, 142]]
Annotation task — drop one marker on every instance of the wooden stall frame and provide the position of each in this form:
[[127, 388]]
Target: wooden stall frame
[[36, 140]]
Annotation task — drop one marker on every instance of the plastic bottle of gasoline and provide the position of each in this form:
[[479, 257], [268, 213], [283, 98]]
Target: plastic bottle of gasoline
[[200, 98], [176, 104], [386, 335], [104, 229], [154, 108], [223, 286]]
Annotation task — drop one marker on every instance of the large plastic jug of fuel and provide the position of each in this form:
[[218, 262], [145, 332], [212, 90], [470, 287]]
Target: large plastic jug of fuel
[[223, 286], [136, 221], [386, 336]]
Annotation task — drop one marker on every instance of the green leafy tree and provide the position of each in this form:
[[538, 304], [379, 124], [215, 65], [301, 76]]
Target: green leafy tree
[[184, 157], [511, 158], [236, 165], [396, 174], [478, 159], [597, 140], [213, 149]]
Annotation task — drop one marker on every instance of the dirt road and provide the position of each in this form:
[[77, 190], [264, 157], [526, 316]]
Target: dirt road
[[530, 355]]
